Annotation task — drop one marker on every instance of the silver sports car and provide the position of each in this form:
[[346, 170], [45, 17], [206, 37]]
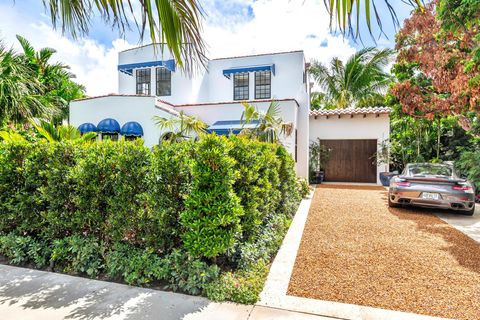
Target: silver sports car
[[432, 185]]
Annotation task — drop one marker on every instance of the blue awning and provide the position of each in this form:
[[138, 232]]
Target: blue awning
[[87, 127], [128, 68], [226, 127], [132, 128], [228, 72], [108, 126]]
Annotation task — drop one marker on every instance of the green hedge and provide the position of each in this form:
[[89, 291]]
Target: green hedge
[[177, 214]]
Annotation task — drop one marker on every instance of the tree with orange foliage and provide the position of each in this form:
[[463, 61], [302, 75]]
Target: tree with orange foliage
[[437, 63]]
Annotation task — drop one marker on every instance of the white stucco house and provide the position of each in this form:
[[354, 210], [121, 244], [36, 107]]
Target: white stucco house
[[150, 84]]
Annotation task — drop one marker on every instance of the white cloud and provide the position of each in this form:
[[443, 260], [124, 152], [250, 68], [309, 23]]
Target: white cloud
[[276, 25], [232, 28], [94, 64]]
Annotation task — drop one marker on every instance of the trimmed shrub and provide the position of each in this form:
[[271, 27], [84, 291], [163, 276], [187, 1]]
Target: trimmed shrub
[[289, 187], [20, 205], [169, 184], [212, 210], [11, 180], [258, 184], [58, 190], [181, 215]]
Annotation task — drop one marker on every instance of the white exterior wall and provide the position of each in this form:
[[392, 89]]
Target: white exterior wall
[[206, 87], [184, 88], [123, 109], [358, 127], [286, 83], [210, 85]]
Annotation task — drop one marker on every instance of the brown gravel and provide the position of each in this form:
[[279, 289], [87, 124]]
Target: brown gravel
[[357, 250]]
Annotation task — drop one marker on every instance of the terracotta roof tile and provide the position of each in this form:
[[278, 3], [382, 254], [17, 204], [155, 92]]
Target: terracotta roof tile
[[350, 111], [258, 55], [114, 95]]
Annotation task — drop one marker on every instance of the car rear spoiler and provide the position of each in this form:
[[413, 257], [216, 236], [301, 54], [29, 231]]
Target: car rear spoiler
[[432, 179]]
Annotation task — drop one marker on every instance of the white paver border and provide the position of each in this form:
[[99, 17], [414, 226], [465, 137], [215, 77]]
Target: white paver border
[[274, 293]]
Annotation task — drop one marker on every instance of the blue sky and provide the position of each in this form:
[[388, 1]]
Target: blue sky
[[233, 27]]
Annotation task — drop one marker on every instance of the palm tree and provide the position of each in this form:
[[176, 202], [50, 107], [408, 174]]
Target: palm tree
[[52, 133], [346, 14], [319, 100], [56, 79], [177, 23], [48, 131], [360, 82], [21, 92], [180, 128], [268, 125]]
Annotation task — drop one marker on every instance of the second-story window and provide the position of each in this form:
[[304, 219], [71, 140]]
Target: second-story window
[[240, 86], [164, 82], [143, 81], [263, 85]]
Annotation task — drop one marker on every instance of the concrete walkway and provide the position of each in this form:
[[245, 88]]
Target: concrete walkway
[[469, 225], [27, 294]]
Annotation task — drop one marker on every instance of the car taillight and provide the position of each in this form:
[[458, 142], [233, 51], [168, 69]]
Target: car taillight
[[467, 189], [403, 184]]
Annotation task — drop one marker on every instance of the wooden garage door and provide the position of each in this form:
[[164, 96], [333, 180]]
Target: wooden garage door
[[351, 160]]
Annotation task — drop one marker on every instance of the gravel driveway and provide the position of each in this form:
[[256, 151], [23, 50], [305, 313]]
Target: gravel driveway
[[357, 250]]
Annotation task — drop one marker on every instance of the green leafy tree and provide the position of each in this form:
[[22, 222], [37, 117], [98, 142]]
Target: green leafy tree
[[21, 92], [318, 100], [360, 82], [33, 87], [55, 77]]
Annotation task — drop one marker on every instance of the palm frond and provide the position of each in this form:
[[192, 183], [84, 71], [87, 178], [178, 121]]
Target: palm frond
[[11, 136], [345, 84], [269, 124], [179, 127], [175, 23], [346, 14]]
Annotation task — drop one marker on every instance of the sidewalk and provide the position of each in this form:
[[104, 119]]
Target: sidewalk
[[37, 295]]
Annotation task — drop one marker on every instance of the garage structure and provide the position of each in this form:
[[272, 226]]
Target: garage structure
[[353, 136]]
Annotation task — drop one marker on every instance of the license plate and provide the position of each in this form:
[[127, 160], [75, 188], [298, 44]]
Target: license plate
[[430, 196]]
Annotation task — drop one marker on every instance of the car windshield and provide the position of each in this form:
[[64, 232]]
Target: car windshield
[[426, 169]]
